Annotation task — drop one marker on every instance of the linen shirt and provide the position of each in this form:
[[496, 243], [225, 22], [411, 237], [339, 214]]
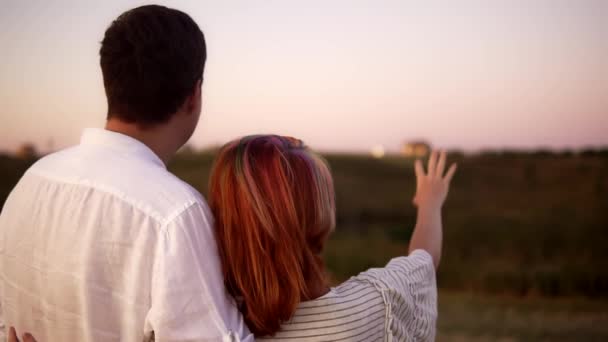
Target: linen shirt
[[99, 242], [394, 303]]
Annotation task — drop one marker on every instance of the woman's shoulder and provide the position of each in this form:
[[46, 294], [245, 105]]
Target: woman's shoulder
[[345, 300], [353, 310]]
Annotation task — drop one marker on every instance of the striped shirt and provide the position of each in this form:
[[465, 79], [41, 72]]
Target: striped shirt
[[394, 303]]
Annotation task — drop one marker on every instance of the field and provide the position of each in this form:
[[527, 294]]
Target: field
[[525, 237], [475, 317]]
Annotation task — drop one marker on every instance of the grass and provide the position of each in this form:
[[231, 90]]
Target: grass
[[474, 317]]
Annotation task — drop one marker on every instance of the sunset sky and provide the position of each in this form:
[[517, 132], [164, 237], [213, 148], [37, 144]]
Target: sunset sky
[[341, 75]]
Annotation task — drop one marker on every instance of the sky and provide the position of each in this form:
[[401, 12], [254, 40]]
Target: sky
[[341, 75]]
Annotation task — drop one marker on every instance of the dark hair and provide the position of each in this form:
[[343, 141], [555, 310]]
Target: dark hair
[[151, 59]]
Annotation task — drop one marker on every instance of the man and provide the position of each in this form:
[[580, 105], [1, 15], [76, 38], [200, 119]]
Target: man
[[100, 242]]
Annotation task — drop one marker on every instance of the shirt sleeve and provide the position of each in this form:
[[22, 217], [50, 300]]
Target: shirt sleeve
[[189, 301], [409, 289]]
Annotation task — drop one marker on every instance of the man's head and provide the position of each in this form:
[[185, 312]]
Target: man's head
[[152, 61]]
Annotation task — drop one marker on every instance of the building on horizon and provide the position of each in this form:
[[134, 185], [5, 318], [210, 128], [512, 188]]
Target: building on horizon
[[416, 149]]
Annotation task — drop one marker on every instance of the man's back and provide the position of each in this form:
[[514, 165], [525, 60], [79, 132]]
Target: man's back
[[101, 242]]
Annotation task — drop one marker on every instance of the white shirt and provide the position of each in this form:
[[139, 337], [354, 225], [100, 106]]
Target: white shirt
[[99, 242], [394, 303]]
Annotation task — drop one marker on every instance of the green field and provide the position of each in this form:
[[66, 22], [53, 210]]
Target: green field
[[525, 237]]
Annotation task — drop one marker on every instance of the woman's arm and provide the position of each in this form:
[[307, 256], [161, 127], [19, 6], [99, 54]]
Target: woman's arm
[[431, 192]]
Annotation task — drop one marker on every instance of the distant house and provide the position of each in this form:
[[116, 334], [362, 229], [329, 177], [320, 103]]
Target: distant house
[[416, 149]]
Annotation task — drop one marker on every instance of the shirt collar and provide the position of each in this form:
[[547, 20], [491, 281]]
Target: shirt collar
[[119, 141]]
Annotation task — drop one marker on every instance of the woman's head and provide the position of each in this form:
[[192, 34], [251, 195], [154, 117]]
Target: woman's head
[[273, 202]]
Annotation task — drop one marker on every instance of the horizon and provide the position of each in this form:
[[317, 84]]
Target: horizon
[[372, 152], [344, 77]]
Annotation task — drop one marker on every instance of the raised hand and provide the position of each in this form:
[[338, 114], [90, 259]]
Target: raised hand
[[431, 191], [432, 187]]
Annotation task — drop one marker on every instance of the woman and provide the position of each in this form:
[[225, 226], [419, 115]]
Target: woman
[[273, 201]]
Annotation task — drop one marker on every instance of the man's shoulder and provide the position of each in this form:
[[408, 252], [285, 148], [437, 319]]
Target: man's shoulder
[[169, 193], [48, 161], [148, 187]]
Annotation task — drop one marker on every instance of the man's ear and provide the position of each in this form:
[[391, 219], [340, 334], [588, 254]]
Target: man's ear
[[192, 102]]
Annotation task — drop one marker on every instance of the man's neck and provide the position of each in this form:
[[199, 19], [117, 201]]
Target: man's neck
[[154, 137]]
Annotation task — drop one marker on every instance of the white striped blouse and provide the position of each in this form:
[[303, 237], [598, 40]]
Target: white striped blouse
[[394, 303]]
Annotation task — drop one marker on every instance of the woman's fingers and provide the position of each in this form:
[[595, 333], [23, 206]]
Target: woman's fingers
[[441, 164], [419, 169], [450, 174], [12, 335], [27, 337], [432, 164]]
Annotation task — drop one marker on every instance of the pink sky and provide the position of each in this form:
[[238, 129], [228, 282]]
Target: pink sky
[[341, 75]]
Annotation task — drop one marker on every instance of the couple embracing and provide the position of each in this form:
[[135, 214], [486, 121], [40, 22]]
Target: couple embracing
[[99, 242]]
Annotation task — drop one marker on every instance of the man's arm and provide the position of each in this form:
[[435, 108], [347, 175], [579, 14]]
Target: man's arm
[[189, 301]]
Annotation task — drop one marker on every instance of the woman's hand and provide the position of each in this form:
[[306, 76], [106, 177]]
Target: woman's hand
[[12, 336], [431, 191], [432, 187]]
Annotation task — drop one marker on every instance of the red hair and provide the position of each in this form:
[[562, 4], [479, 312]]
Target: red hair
[[273, 202]]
